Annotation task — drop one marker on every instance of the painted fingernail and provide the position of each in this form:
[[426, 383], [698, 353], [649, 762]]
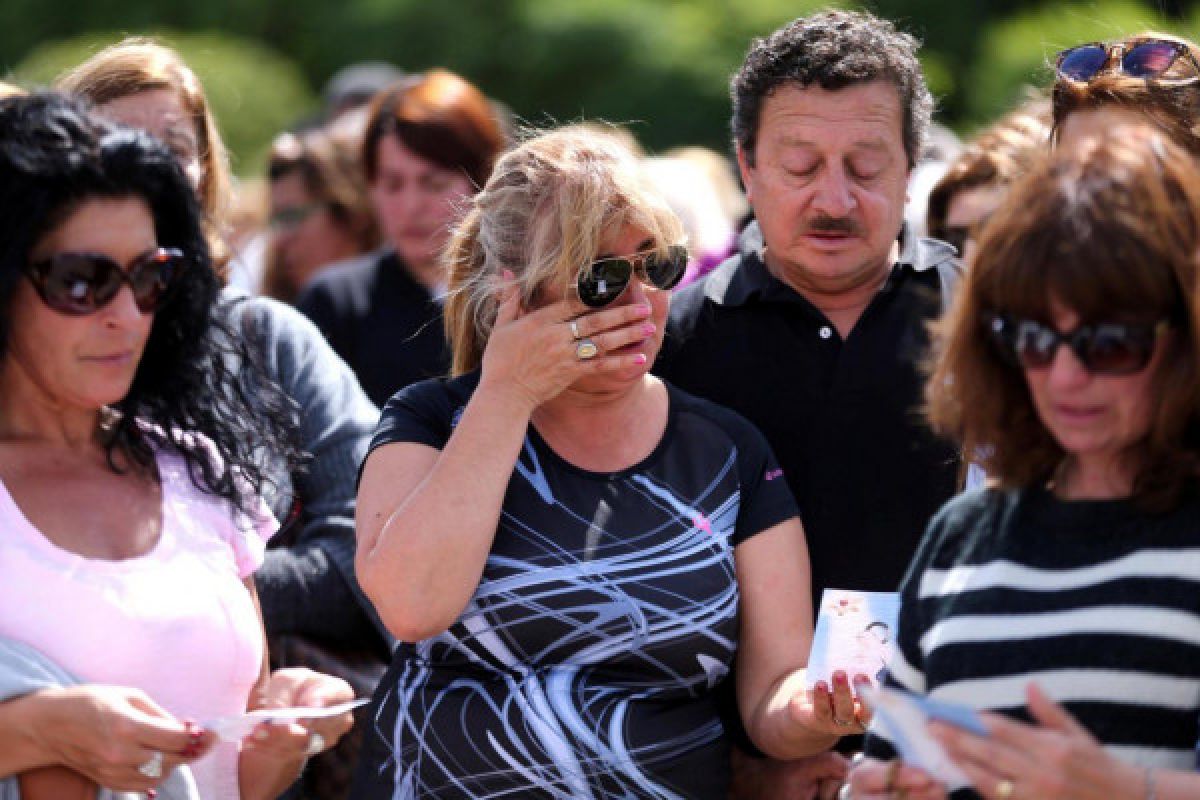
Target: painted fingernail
[[860, 680], [640, 358], [822, 686], [839, 678], [648, 328], [151, 794]]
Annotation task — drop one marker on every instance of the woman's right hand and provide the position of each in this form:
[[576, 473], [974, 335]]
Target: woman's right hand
[[871, 779], [534, 353], [107, 732]]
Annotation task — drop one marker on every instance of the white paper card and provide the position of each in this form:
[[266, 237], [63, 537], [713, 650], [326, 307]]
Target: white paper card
[[239, 726], [854, 633], [902, 717]]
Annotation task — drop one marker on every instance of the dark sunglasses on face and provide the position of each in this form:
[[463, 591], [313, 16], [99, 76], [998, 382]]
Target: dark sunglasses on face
[[83, 283], [605, 279], [1140, 58], [1109, 348]]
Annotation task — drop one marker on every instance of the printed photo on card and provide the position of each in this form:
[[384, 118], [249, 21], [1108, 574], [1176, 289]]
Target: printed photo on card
[[854, 633]]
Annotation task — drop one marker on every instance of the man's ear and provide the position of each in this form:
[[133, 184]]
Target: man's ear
[[747, 172]]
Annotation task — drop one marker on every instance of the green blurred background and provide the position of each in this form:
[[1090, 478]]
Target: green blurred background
[[660, 65]]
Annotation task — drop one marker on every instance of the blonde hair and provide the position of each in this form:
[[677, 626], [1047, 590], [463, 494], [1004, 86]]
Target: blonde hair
[[10, 90], [139, 64], [549, 207]]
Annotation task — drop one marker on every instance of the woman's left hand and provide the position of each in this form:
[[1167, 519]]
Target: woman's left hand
[[838, 712], [1056, 760], [298, 687]]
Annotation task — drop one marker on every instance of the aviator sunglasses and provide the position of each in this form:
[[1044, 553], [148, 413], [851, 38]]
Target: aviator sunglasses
[[1139, 58], [605, 279], [83, 283], [1110, 348]]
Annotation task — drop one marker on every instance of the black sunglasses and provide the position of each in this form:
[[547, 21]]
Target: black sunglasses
[[83, 283], [1140, 58], [1109, 348], [604, 280]]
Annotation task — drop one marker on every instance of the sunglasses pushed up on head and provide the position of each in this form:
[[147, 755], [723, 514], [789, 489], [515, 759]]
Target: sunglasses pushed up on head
[[1145, 58], [1109, 348], [83, 283], [606, 279]]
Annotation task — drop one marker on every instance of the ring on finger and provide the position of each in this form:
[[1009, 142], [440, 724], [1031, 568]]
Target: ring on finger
[[153, 766], [575, 334], [586, 349], [844, 723], [1004, 789], [316, 744]]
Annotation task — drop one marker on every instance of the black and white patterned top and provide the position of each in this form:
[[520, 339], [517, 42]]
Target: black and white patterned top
[[585, 664], [1096, 601]]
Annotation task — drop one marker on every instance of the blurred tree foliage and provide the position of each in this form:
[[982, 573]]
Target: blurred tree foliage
[[661, 65]]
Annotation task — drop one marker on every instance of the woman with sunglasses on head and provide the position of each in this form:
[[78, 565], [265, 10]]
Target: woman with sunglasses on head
[[573, 551], [129, 491], [1068, 592], [1153, 77]]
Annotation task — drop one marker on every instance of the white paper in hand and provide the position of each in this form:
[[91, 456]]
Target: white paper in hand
[[237, 727], [902, 717], [854, 633]]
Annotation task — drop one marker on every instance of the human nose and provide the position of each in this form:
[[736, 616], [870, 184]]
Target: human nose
[[123, 308], [832, 193], [1066, 370]]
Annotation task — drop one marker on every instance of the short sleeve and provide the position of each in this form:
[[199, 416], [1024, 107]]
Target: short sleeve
[[424, 412], [766, 499]]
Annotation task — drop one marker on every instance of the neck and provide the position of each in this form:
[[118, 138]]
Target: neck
[[843, 299], [586, 412], [428, 274], [1094, 478], [28, 414]]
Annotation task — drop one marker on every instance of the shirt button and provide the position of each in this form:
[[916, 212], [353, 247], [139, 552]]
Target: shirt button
[[825, 331]]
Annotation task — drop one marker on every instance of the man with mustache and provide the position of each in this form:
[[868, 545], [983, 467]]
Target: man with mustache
[[816, 328]]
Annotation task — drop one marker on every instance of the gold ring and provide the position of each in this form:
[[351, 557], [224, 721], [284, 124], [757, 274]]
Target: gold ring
[[575, 334], [586, 350], [1004, 789]]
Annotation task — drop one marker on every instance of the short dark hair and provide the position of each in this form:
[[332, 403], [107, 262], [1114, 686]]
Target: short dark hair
[[1111, 232], [54, 157], [832, 49]]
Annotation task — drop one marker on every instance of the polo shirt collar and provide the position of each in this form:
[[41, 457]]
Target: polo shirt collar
[[745, 276]]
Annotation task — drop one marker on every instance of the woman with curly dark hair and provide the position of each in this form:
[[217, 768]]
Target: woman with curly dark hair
[[130, 491]]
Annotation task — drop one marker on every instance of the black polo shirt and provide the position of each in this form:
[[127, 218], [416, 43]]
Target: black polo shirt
[[381, 321], [843, 416]]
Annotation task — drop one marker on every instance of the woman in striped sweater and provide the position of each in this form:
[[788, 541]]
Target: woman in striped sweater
[[1066, 596]]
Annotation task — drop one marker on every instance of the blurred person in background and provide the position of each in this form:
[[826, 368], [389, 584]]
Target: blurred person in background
[[1063, 596], [353, 86], [307, 586], [1149, 76], [430, 144], [701, 188], [977, 180], [319, 211], [131, 495]]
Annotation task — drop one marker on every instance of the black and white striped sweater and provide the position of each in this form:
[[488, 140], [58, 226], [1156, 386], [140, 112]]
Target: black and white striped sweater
[[1096, 601]]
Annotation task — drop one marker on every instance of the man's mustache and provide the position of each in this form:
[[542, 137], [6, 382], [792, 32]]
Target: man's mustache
[[827, 224]]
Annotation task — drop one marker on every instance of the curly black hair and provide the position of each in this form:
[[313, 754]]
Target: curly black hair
[[832, 49], [185, 396]]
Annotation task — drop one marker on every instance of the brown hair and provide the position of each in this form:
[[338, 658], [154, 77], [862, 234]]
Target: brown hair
[[138, 64], [440, 117], [544, 215], [1171, 105], [996, 157], [1111, 232], [327, 162]]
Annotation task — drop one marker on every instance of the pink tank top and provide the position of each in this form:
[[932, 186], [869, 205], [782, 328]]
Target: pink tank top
[[176, 622]]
